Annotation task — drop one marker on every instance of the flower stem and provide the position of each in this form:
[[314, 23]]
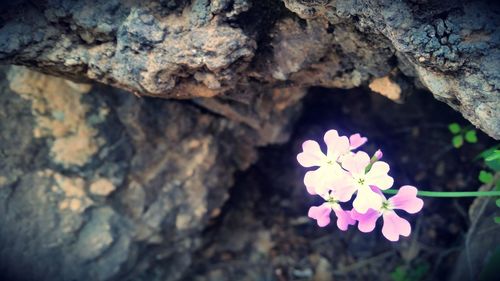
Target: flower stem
[[450, 194]]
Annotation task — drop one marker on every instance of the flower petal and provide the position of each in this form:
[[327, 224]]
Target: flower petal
[[310, 182], [356, 163], [367, 199], [356, 141], [337, 145], [366, 221], [343, 189], [406, 199], [311, 155], [343, 219], [323, 179], [321, 214], [378, 175], [394, 226]]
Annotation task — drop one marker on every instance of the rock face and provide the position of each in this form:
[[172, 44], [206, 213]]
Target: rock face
[[102, 183], [451, 47], [201, 48], [110, 186]]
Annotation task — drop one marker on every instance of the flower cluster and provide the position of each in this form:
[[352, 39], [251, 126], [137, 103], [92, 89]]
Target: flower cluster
[[342, 174]]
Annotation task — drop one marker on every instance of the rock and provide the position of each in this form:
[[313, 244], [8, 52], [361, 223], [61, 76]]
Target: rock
[[102, 187], [478, 257], [452, 56], [96, 184], [386, 87], [134, 203], [141, 46], [192, 49], [59, 116]]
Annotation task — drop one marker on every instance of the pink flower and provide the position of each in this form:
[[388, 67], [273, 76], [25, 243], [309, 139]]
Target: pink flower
[[322, 179], [312, 156], [394, 226], [356, 141], [340, 174], [322, 213], [360, 180]]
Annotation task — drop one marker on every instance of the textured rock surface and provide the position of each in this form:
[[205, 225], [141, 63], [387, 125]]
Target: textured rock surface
[[479, 258], [450, 46], [103, 184], [109, 186], [202, 48]]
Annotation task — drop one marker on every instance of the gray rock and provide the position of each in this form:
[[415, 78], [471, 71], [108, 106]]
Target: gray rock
[[453, 46], [169, 165], [241, 67], [181, 49]]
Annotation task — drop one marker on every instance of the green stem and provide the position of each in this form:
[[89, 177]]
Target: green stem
[[450, 194]]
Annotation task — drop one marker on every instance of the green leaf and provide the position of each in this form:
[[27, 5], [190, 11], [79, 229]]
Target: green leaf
[[494, 165], [498, 203], [493, 156], [485, 177], [454, 128], [497, 220], [457, 141], [486, 153], [497, 186], [399, 274], [471, 136]]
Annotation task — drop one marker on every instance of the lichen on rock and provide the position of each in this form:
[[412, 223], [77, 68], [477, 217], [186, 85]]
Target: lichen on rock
[[160, 171], [60, 115]]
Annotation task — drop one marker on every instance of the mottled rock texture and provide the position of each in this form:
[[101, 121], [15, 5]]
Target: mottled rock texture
[[97, 184], [451, 47], [202, 48], [100, 184]]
